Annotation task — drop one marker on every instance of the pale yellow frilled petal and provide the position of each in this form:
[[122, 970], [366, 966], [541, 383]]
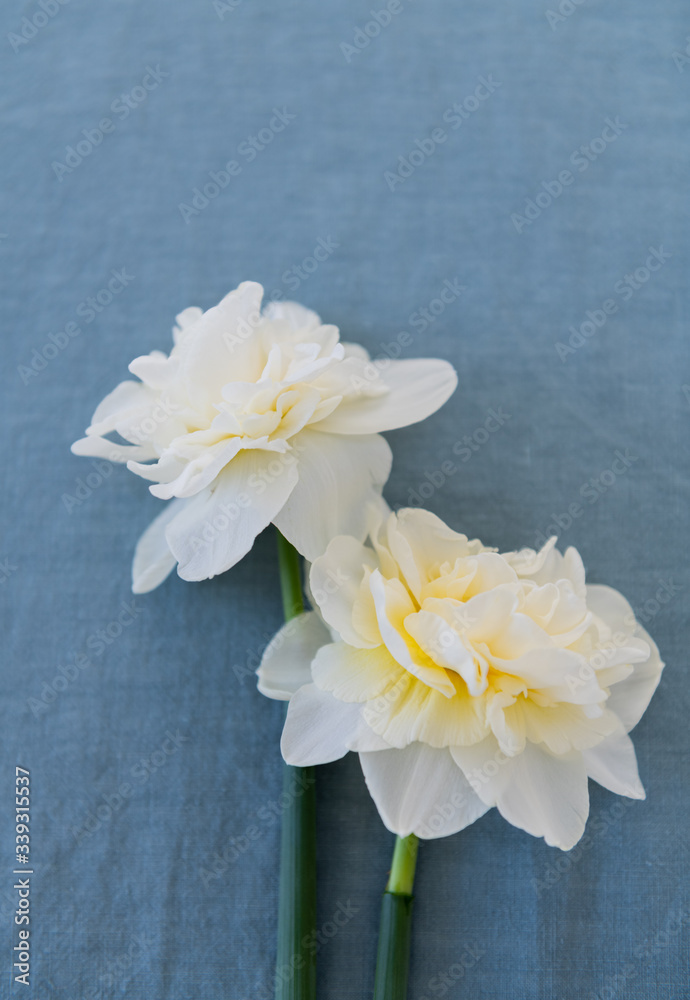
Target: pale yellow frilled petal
[[421, 544], [559, 675], [393, 605], [528, 562], [411, 711], [353, 674], [447, 649]]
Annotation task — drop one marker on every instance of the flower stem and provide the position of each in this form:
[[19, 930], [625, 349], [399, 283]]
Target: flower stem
[[393, 958], [290, 579], [296, 956], [401, 878]]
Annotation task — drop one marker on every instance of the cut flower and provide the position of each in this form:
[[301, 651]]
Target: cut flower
[[465, 679], [257, 417]]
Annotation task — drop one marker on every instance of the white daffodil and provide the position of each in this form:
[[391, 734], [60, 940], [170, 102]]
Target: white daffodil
[[257, 416], [465, 679]]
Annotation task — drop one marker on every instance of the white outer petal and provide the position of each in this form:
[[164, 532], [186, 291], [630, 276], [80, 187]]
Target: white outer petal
[[286, 664], [612, 763], [128, 400], [339, 477], [153, 560], [420, 790], [318, 728], [215, 530], [630, 697], [99, 447], [417, 388], [365, 739], [536, 791]]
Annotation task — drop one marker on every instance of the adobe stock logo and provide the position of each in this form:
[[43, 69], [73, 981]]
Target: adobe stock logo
[[626, 288], [86, 310], [39, 19], [372, 29], [249, 149], [122, 108], [581, 158], [453, 116]]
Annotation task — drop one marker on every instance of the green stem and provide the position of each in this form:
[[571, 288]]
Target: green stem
[[401, 878], [393, 958], [290, 579], [296, 956]]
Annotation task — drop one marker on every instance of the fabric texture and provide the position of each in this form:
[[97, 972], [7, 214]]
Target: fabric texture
[[498, 184]]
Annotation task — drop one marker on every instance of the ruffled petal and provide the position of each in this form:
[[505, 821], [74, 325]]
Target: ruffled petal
[[629, 697], [296, 316], [394, 608], [421, 543], [223, 347], [335, 582], [184, 321], [528, 562], [433, 634], [410, 712], [352, 674], [559, 674], [198, 473]]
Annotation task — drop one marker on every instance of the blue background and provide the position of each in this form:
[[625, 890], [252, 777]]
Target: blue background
[[121, 906]]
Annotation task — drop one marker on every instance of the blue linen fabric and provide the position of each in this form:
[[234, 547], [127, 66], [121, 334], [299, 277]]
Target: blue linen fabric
[[529, 159]]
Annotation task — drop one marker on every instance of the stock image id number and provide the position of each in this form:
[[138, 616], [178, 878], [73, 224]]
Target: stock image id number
[[22, 806]]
